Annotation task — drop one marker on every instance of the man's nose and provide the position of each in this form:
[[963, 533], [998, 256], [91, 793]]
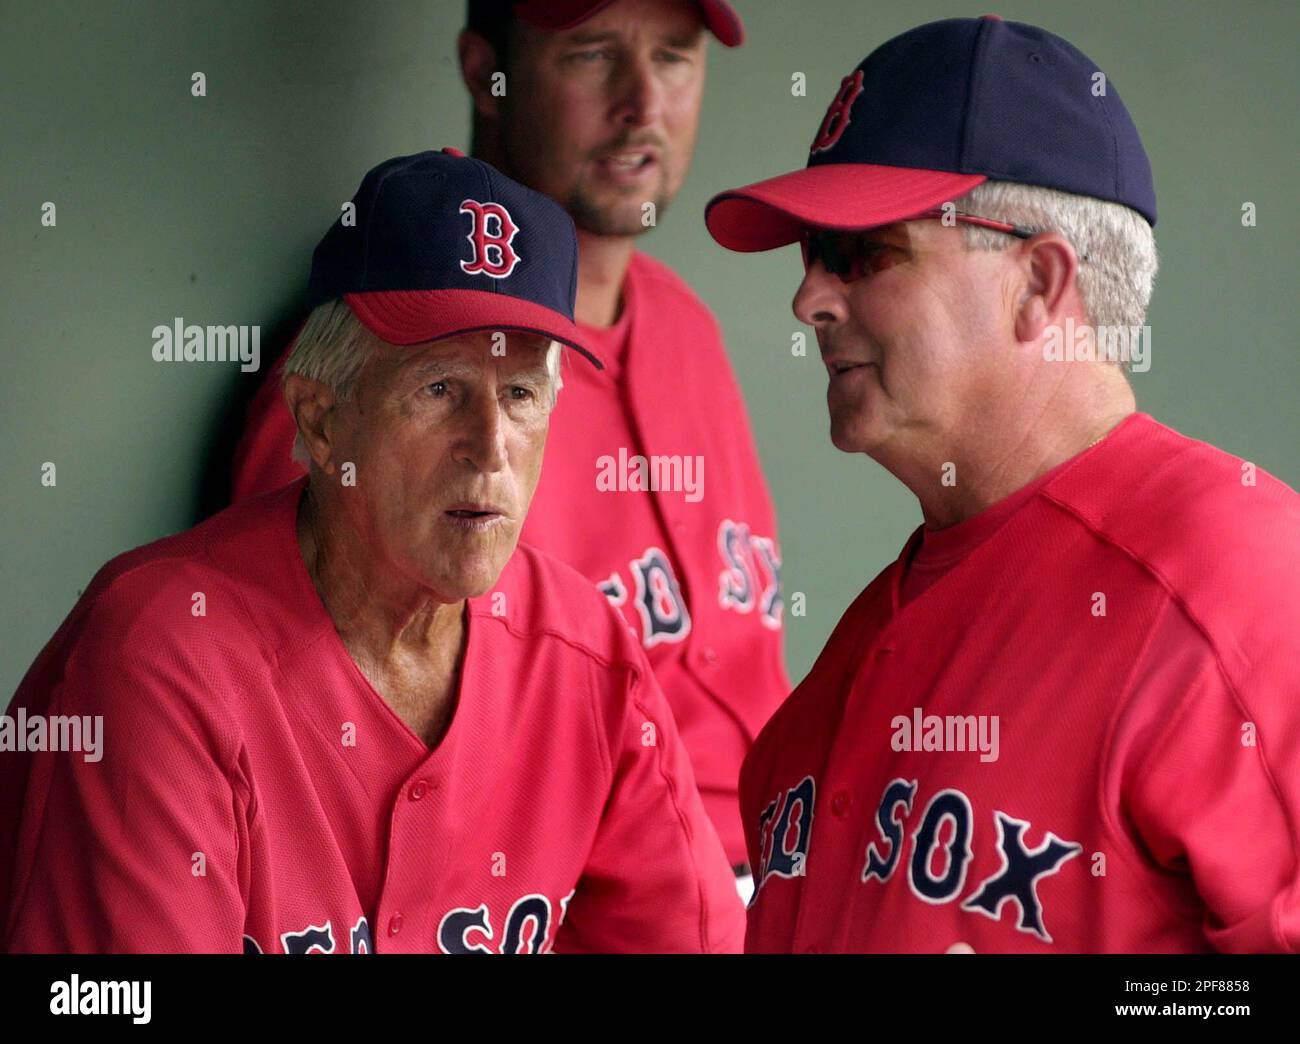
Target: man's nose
[[640, 98], [483, 442], [819, 301]]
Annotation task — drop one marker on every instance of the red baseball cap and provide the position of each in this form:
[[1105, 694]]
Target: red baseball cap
[[719, 16]]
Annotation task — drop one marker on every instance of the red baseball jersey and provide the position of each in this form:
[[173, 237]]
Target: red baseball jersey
[[693, 562], [253, 790], [1084, 736]]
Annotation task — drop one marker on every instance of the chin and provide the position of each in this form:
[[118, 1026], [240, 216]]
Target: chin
[[478, 581], [611, 221], [452, 589], [469, 576], [616, 213], [844, 443], [854, 438]]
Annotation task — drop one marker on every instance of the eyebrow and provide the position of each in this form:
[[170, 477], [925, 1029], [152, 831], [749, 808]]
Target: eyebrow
[[532, 373], [441, 368], [883, 232], [455, 368], [588, 37], [677, 40], [896, 236]]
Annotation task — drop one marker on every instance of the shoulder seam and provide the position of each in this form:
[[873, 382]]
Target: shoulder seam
[[1230, 684]]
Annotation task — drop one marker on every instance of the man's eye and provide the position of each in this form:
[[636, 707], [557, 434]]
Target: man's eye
[[520, 393], [437, 389], [867, 258], [594, 55], [874, 256], [671, 57]]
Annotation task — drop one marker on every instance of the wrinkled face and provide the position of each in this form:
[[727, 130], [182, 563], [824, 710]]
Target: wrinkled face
[[447, 439], [602, 117], [917, 348]]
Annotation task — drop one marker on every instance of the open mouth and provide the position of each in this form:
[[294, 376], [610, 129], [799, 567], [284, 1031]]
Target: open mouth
[[628, 164], [475, 519]]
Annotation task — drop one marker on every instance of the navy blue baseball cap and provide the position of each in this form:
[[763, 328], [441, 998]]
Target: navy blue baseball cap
[[443, 244], [934, 112]]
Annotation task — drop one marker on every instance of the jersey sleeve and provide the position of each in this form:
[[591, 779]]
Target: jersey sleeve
[[142, 845], [264, 456], [1213, 787], [656, 880]]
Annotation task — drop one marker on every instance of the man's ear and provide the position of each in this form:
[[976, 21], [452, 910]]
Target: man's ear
[[312, 404], [1050, 268], [478, 61]]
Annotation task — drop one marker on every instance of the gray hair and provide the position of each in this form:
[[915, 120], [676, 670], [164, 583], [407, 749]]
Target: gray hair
[[334, 346], [1115, 245]]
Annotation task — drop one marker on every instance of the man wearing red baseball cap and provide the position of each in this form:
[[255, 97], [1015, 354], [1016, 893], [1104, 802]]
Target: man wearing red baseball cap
[[1065, 719], [652, 487]]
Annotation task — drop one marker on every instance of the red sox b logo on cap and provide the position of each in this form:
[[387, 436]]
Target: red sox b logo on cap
[[837, 116], [493, 254]]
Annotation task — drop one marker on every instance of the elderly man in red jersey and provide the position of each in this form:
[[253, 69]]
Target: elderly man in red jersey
[[351, 715], [652, 487]]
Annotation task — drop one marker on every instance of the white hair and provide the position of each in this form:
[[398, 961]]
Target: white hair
[[334, 346], [1115, 245]]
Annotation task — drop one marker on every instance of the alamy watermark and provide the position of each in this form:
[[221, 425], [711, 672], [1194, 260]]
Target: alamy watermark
[[634, 473], [72, 996], [81, 733], [1083, 343], [951, 732], [182, 342]]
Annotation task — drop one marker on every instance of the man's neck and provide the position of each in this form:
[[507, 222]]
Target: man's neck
[[380, 619], [993, 462], [602, 267]]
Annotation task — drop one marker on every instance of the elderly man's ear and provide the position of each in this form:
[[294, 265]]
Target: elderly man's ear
[[312, 405], [1050, 266]]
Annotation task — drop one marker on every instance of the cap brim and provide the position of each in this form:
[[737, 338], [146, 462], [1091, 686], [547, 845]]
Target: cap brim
[[720, 17], [723, 21], [416, 316], [775, 212]]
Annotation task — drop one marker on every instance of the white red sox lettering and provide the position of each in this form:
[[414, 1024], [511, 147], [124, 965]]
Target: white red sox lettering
[[785, 839]]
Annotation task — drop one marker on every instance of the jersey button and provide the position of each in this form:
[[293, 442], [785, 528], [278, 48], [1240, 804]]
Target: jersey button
[[418, 789], [395, 924], [710, 656], [840, 803]]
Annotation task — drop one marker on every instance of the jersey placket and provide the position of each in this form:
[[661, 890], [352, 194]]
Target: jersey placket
[[416, 849], [419, 841], [838, 842], [839, 851]]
